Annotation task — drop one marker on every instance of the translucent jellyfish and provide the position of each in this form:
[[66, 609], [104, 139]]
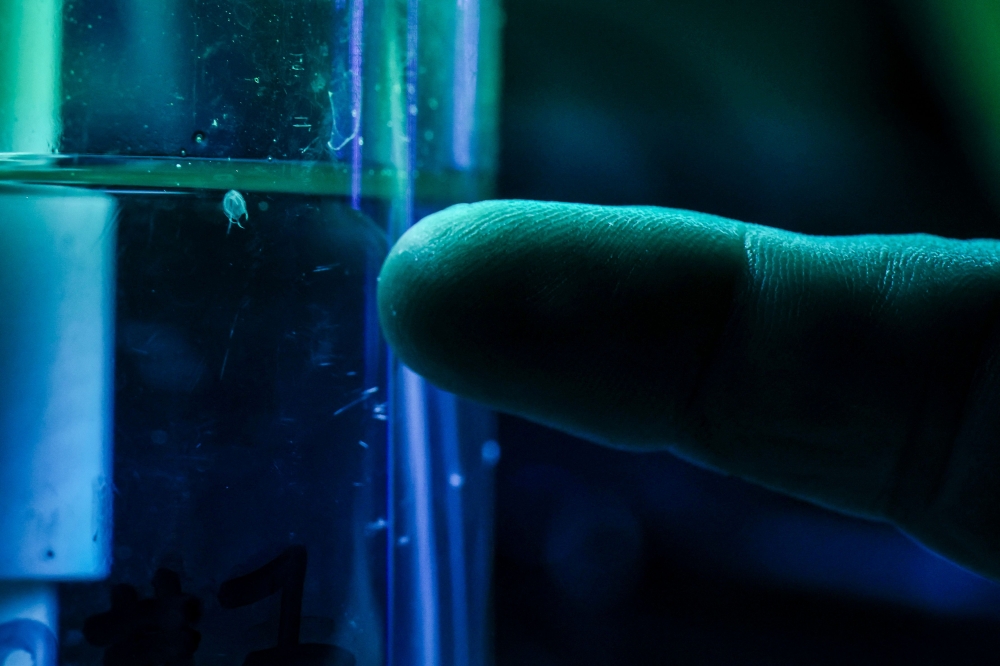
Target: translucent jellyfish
[[235, 207]]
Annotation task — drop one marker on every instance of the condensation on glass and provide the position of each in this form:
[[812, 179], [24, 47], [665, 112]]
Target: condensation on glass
[[207, 454]]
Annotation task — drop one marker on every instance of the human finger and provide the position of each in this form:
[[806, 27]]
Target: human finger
[[857, 372]]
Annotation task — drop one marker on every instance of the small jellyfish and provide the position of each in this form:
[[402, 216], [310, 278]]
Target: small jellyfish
[[235, 207]]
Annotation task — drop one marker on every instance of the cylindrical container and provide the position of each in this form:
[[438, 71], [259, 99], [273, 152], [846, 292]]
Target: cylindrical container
[[208, 455]]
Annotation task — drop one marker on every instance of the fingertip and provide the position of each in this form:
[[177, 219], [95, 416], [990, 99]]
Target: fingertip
[[424, 255], [554, 311]]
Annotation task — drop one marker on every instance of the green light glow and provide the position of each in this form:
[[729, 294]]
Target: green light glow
[[30, 53]]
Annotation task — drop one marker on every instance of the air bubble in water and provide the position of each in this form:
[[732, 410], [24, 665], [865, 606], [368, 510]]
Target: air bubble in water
[[490, 452]]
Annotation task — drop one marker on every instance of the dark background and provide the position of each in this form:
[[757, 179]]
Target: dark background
[[825, 117]]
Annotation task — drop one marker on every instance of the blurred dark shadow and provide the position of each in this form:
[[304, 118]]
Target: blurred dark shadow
[[822, 117]]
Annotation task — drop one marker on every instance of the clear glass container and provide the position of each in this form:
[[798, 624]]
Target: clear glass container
[[208, 455]]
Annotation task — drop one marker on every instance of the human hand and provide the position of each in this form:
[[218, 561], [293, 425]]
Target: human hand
[[857, 372]]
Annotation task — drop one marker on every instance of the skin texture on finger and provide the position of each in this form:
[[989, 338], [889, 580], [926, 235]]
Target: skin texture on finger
[[857, 372]]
